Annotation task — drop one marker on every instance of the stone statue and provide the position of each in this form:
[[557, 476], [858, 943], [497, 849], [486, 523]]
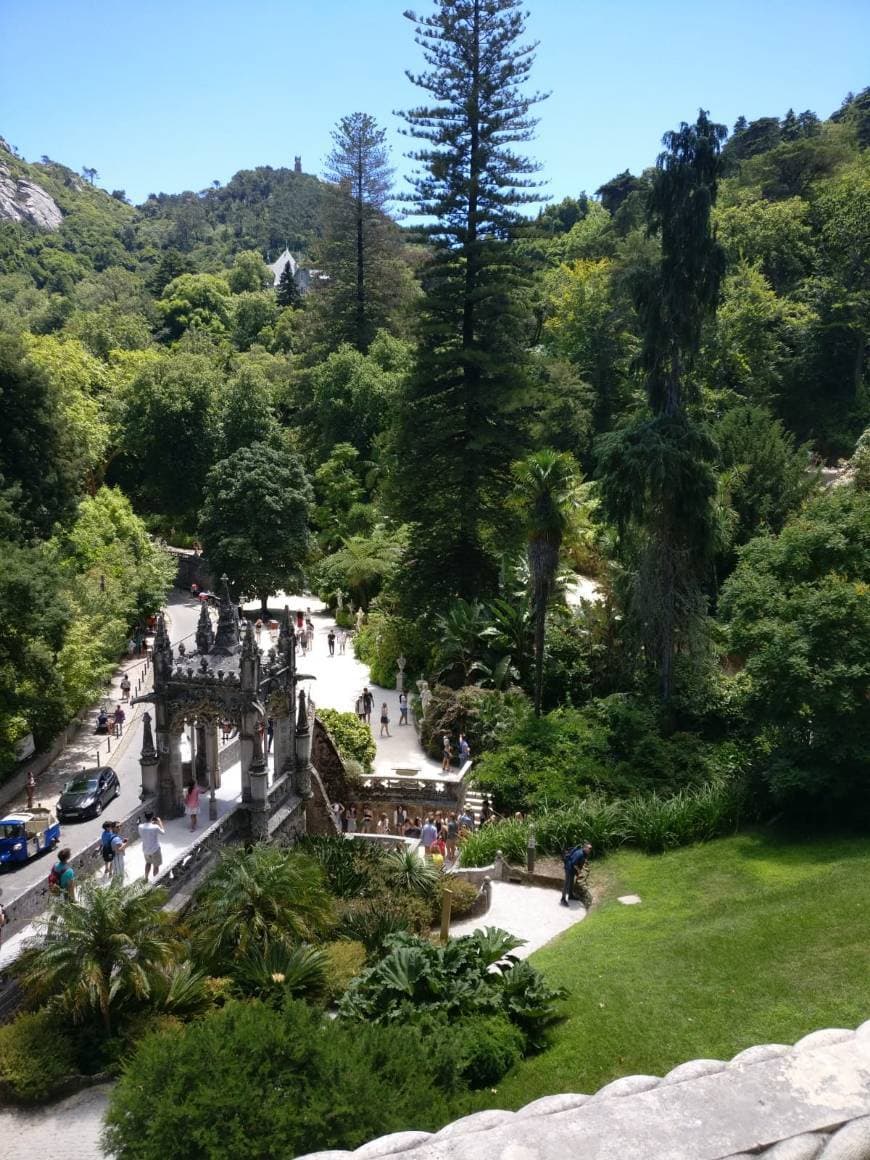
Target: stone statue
[[425, 695]]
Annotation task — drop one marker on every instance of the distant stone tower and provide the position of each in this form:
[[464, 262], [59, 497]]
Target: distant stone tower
[[297, 164]]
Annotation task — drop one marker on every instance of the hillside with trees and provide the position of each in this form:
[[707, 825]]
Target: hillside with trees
[[687, 345]]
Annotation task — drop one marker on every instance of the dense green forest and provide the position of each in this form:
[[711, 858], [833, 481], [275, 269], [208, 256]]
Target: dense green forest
[[643, 385]]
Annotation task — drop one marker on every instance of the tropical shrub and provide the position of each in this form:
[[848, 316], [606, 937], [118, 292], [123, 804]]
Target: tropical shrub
[[299, 1082], [256, 898], [382, 640], [350, 867], [101, 956], [373, 921], [36, 1056], [352, 737], [485, 716], [472, 975], [278, 972], [615, 745]]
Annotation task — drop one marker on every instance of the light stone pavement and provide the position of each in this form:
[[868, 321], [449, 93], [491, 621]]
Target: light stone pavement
[[529, 912]]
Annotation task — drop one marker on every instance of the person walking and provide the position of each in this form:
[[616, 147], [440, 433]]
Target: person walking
[[446, 753], [403, 708], [385, 720], [125, 688], [62, 879], [452, 837], [118, 719], [350, 818], [149, 832], [428, 834], [360, 708], [119, 845], [330, 640], [31, 789], [191, 804], [464, 750], [368, 704], [342, 642], [106, 848]]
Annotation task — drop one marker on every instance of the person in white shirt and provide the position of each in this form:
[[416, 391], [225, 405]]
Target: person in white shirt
[[150, 831]]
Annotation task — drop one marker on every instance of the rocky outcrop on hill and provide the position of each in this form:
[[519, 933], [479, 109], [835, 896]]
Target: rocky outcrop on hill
[[25, 201]]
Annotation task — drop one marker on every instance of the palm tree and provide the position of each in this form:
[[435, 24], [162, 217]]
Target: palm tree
[[546, 490], [258, 897], [94, 955]]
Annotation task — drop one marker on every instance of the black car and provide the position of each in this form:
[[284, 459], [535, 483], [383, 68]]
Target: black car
[[87, 794]]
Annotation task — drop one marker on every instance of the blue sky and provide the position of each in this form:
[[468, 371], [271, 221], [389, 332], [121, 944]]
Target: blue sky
[[172, 94]]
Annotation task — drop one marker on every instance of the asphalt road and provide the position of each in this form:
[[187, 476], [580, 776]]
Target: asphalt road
[[124, 759]]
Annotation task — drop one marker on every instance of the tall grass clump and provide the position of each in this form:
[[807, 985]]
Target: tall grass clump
[[651, 822]]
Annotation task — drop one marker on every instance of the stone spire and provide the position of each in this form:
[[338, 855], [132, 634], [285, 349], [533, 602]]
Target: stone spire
[[149, 750], [249, 645], [227, 640], [162, 653], [204, 630], [287, 641]]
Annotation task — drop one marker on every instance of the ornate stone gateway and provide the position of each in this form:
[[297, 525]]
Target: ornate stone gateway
[[226, 682]]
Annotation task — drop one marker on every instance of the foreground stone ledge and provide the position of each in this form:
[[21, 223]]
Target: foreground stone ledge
[[807, 1102]]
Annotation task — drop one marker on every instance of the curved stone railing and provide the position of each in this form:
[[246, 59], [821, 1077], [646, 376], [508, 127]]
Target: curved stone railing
[[807, 1102]]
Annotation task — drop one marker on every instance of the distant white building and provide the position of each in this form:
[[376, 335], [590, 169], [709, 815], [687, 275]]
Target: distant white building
[[301, 276]]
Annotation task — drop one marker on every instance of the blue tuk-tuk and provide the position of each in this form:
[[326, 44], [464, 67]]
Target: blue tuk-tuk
[[26, 834]]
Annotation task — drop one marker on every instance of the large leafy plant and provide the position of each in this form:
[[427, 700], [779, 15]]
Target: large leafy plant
[[474, 975]]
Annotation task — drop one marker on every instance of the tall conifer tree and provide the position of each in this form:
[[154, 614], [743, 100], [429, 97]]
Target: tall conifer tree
[[460, 426], [656, 476], [360, 250]]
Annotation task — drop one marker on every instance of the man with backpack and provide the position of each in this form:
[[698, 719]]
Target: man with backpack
[[573, 859], [62, 877]]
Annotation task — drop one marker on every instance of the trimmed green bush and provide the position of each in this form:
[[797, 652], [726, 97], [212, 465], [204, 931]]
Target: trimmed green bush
[[485, 1048], [36, 1056], [352, 737], [297, 1082]]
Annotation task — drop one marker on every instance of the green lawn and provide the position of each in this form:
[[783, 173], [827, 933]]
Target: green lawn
[[752, 939]]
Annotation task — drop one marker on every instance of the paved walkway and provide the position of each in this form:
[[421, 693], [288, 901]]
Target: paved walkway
[[338, 682], [529, 912]]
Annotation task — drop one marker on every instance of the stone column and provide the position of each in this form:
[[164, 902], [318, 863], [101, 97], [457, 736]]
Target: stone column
[[259, 776], [210, 752], [200, 756], [171, 791], [281, 746], [247, 729], [149, 761]]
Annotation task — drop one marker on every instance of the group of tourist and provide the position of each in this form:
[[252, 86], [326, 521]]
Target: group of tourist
[[113, 722], [463, 751], [439, 833], [365, 704]]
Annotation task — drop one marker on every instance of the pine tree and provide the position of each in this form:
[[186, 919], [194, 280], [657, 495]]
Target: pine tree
[[460, 426], [656, 476], [360, 251], [287, 292]]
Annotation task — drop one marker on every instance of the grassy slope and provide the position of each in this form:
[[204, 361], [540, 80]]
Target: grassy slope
[[746, 940]]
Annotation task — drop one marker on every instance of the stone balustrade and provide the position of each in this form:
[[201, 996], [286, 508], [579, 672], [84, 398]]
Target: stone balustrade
[[807, 1102]]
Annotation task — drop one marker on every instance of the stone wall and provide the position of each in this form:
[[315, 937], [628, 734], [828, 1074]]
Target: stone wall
[[327, 761]]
